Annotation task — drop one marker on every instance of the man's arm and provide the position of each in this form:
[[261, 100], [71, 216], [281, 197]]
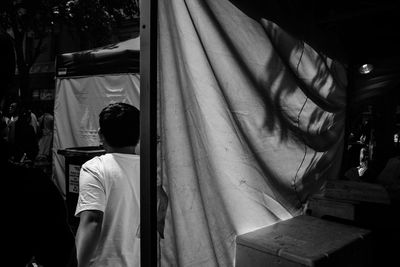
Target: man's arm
[[87, 236]]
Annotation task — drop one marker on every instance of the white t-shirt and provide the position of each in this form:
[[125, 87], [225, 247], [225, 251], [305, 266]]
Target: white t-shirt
[[111, 183]]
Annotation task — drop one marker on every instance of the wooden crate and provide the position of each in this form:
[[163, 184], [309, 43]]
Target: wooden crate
[[304, 241]]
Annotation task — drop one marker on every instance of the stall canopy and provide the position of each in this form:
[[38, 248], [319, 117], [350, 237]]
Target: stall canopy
[[86, 82], [122, 57]]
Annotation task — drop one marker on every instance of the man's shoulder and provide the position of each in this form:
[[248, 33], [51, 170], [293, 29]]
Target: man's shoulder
[[105, 159], [131, 159], [92, 161]]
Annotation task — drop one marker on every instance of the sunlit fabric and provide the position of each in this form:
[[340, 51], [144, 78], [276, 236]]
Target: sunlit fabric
[[251, 124]]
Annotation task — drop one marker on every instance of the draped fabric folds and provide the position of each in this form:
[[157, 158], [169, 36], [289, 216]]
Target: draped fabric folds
[[251, 123]]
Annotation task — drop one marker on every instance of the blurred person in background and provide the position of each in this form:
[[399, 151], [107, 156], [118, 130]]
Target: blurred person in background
[[46, 125], [35, 227], [25, 144]]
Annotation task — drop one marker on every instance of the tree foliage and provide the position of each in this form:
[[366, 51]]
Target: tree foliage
[[35, 19], [94, 18]]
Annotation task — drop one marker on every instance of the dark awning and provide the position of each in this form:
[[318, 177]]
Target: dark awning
[[123, 57]]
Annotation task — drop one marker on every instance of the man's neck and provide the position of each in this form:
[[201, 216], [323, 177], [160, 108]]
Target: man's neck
[[122, 150]]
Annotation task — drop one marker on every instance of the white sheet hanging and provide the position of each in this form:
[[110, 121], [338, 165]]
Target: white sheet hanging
[[251, 123], [78, 102]]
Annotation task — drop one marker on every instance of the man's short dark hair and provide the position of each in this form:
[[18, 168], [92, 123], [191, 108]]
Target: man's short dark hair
[[120, 124]]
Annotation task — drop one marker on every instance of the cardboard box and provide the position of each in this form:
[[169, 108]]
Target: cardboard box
[[304, 241]]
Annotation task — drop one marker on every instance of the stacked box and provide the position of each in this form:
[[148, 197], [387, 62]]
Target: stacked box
[[305, 241]]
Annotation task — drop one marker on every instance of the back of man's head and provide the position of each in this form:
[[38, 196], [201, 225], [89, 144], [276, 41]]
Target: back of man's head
[[120, 124]]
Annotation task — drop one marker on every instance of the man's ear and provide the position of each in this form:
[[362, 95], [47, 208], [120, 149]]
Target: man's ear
[[101, 136]]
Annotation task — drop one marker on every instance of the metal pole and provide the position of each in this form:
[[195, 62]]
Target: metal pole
[[148, 127]]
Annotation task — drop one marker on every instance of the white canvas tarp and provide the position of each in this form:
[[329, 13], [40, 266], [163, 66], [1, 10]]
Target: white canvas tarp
[[251, 123], [78, 102]]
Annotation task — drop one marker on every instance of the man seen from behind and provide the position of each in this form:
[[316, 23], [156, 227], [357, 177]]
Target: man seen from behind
[[109, 194]]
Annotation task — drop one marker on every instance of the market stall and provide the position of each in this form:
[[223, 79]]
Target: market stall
[[86, 82]]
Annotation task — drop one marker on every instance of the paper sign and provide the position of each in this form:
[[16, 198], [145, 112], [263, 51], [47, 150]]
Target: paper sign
[[73, 184]]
